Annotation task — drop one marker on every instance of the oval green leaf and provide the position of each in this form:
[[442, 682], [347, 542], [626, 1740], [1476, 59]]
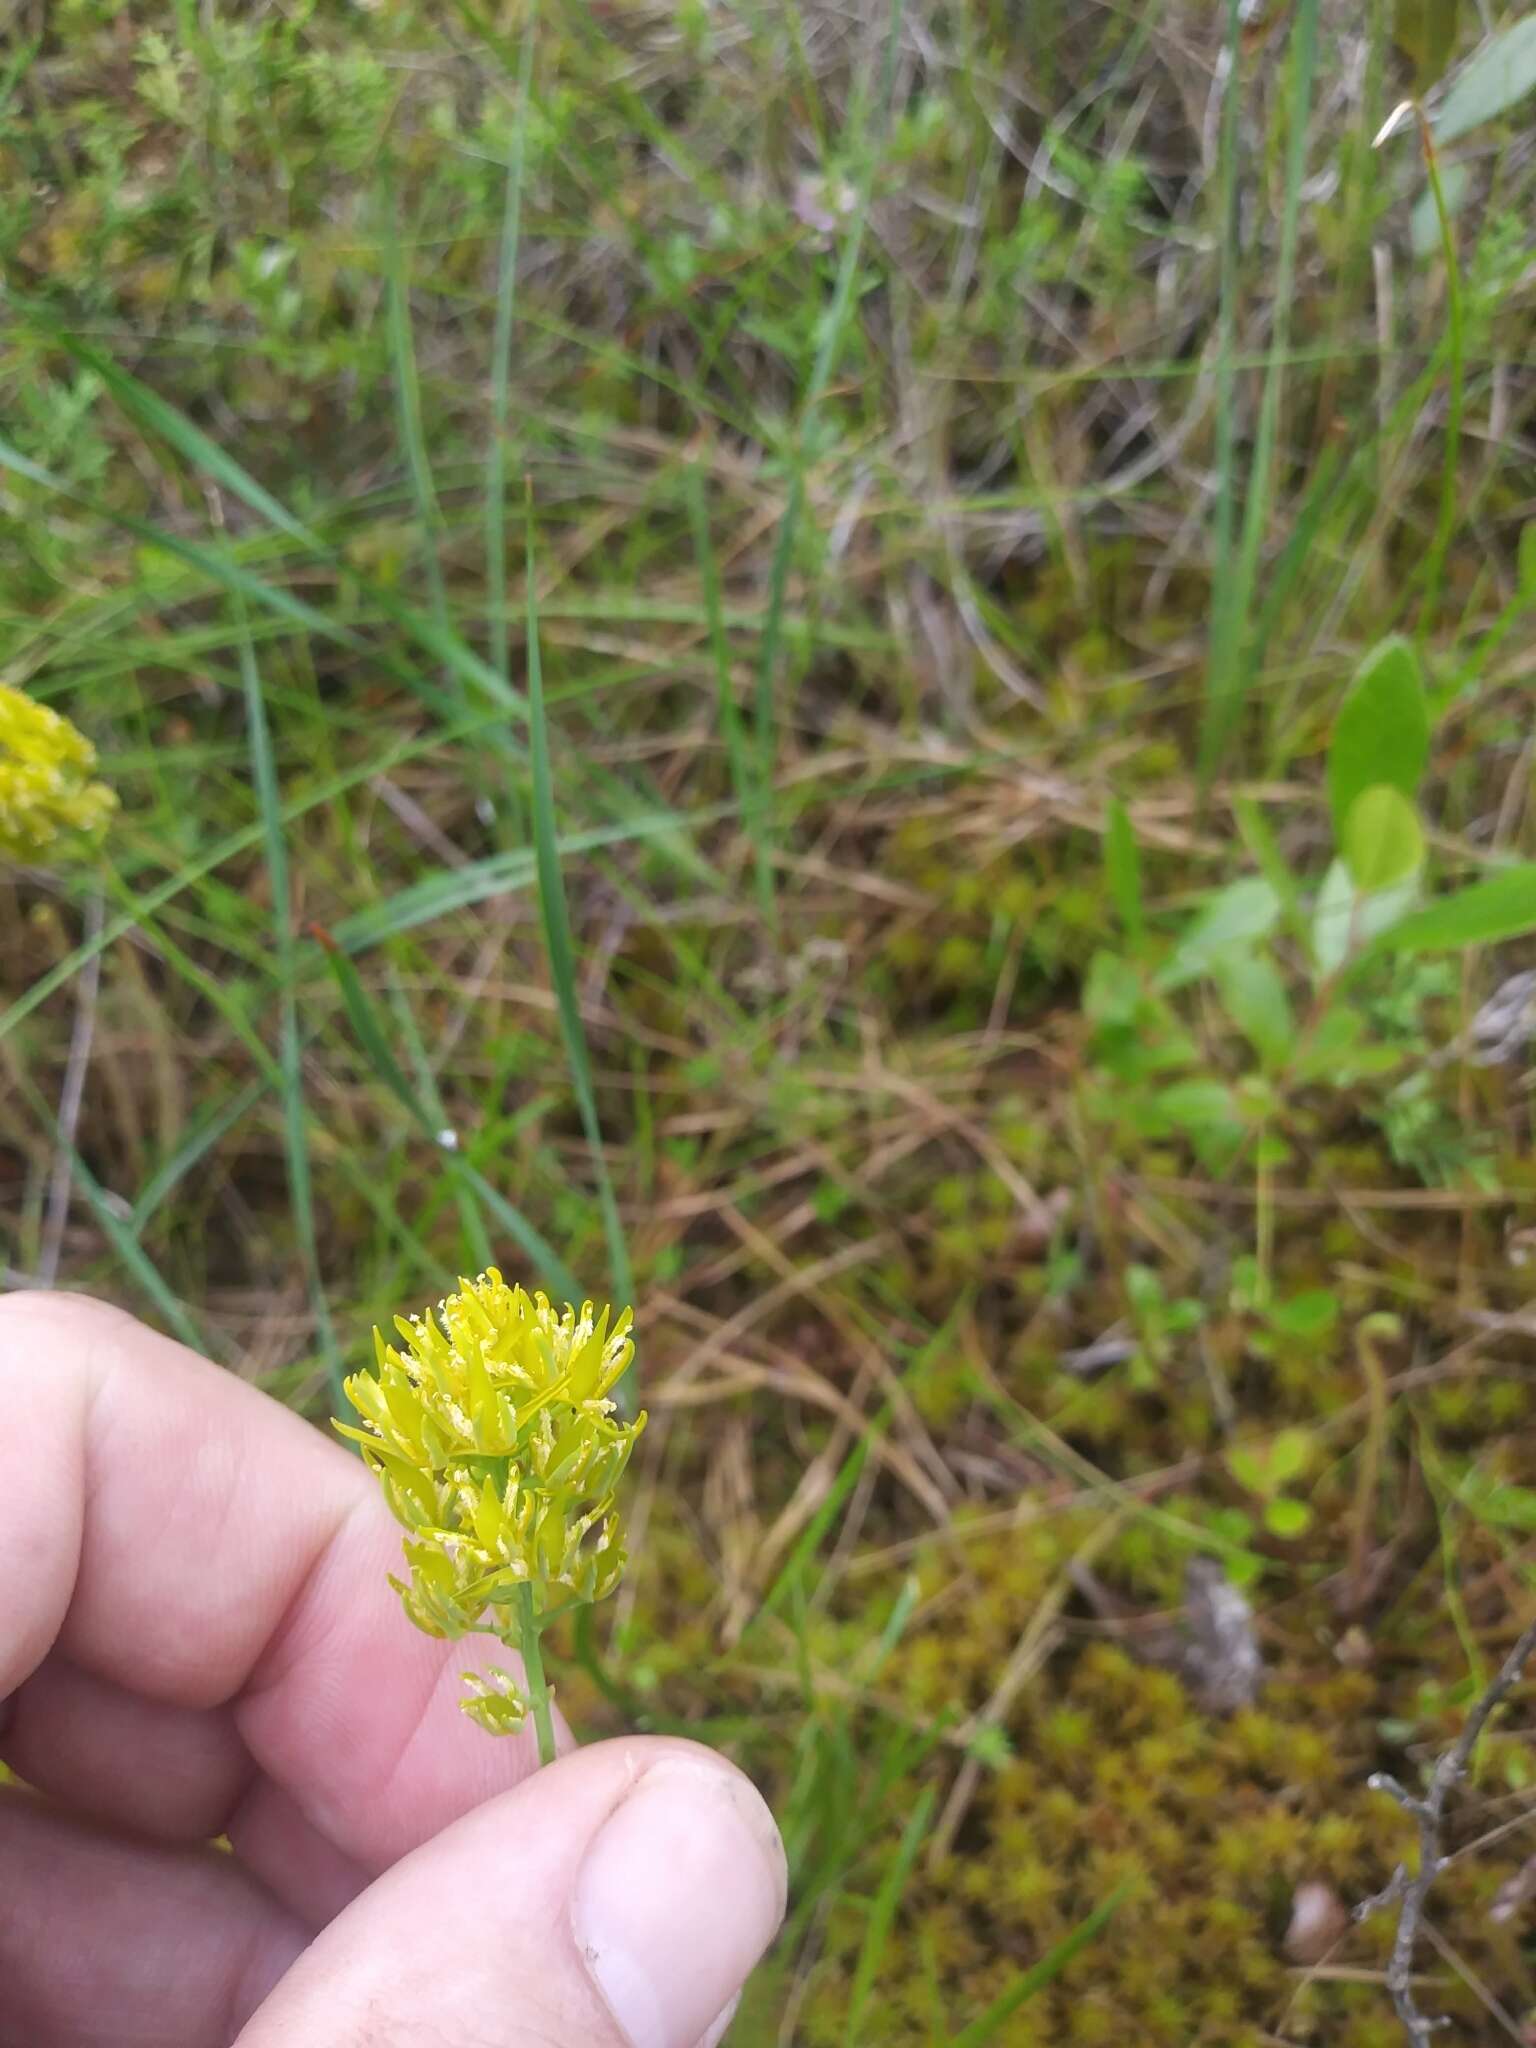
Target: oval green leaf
[[1382, 730], [1382, 841], [1499, 75], [1233, 918]]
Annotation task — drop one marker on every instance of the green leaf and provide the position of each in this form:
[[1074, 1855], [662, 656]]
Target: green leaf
[[1382, 841], [1248, 1468], [1425, 32], [1122, 871], [1253, 996], [1230, 922], [1332, 919], [1498, 1502], [1113, 991], [1312, 1313], [1197, 1105], [1381, 734], [1290, 1454], [1346, 920], [1271, 862], [1287, 1519], [1501, 906], [1500, 73]]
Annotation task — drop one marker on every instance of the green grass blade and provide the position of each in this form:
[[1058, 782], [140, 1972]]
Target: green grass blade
[[559, 943], [290, 1058], [829, 350], [376, 1047], [147, 901], [119, 1233], [143, 403], [371, 1038], [408, 420], [1229, 680], [1122, 873], [1226, 619], [476, 1237], [196, 1145], [1455, 322], [983, 2030], [743, 781], [765, 744], [501, 365], [432, 634], [558, 1277], [221, 570], [882, 1913], [809, 1541]]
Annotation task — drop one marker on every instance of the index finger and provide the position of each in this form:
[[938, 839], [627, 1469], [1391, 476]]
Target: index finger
[[172, 1530]]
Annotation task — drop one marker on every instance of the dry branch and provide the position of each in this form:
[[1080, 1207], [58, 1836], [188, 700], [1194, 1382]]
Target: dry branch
[[1410, 1892]]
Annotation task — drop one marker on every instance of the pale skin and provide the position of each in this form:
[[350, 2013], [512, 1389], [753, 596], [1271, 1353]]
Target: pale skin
[[197, 1638]]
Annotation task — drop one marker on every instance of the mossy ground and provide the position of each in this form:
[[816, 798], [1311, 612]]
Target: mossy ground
[[892, 1144]]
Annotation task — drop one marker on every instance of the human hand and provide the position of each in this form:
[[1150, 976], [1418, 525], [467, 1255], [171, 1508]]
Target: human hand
[[197, 1638]]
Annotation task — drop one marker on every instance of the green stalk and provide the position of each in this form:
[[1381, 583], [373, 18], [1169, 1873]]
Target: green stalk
[[529, 1630], [1445, 525]]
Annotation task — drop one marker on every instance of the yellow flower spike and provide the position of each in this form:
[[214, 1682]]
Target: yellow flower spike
[[45, 788], [491, 1431]]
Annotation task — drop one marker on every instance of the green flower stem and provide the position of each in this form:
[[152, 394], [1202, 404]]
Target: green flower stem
[[530, 1627]]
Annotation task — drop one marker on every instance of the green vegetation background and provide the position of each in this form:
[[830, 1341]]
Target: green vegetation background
[[973, 449]]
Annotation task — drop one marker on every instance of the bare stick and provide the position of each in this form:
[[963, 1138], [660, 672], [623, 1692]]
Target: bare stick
[[1410, 1893]]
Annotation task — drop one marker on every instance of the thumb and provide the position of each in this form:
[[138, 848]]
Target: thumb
[[616, 1899]]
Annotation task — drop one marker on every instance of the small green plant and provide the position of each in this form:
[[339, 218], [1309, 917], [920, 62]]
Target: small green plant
[[500, 1452], [1158, 1323], [1269, 1470], [46, 791], [1357, 943]]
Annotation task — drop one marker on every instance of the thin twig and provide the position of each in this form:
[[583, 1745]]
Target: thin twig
[[1410, 1894], [71, 1096]]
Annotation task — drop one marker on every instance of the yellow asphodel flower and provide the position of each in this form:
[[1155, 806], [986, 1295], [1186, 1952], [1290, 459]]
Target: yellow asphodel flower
[[500, 1451], [46, 791]]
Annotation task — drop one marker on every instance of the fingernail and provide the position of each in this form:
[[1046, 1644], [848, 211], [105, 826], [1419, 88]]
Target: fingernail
[[717, 2032], [680, 1893]]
